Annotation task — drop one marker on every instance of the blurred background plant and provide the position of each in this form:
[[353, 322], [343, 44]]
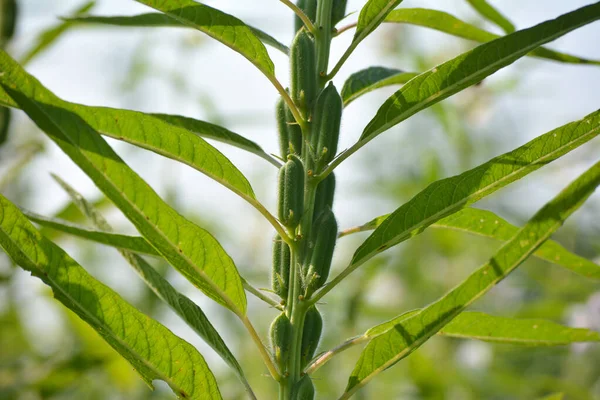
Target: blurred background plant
[[47, 353]]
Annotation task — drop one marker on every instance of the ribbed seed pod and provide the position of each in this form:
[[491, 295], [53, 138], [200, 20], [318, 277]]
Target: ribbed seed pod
[[310, 9], [324, 195], [294, 133], [281, 338], [8, 18], [281, 267], [325, 133], [291, 192], [282, 128], [338, 11], [5, 115], [303, 74], [304, 389], [324, 238], [311, 334]]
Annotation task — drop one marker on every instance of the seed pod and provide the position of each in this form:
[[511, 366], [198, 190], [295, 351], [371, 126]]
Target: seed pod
[[304, 389], [281, 338], [310, 9], [303, 74], [324, 238], [5, 115], [8, 18], [282, 128], [338, 11], [294, 133], [281, 267], [311, 334], [291, 192], [324, 195], [325, 131]]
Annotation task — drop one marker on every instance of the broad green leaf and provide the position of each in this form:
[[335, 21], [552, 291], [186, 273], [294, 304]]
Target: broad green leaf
[[182, 305], [372, 78], [223, 27], [491, 14], [528, 332], [387, 349], [152, 133], [449, 195], [444, 22], [486, 223], [470, 68], [153, 350], [135, 244], [49, 36], [190, 249], [155, 20]]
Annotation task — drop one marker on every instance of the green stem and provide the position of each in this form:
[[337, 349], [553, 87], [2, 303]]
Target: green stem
[[261, 348], [328, 355], [307, 22], [251, 289], [323, 37]]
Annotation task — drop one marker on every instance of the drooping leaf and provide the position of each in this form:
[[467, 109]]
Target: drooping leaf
[[49, 36], [153, 350], [189, 311], [372, 78], [223, 27], [492, 14], [447, 23], [447, 196], [486, 223], [190, 249], [470, 68], [156, 20], [135, 244], [398, 342]]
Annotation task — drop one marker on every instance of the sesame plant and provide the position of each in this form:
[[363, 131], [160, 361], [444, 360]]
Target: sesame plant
[[305, 229]]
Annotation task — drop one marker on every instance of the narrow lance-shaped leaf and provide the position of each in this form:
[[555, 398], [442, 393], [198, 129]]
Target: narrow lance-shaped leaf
[[486, 223], [447, 196], [444, 22], [387, 349], [183, 306], [158, 20], [190, 249], [372, 78], [470, 68], [371, 16], [223, 27], [153, 350], [51, 35], [492, 14]]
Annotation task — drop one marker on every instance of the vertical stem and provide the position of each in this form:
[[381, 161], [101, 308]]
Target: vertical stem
[[323, 37]]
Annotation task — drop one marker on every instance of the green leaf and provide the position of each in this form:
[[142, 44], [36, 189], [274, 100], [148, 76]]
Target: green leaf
[[153, 350], [470, 68], [49, 36], [447, 196], [486, 223], [387, 349], [528, 332], [153, 133], [372, 78], [190, 249], [371, 16], [189, 312], [223, 27], [155, 20], [135, 244], [444, 22], [491, 14]]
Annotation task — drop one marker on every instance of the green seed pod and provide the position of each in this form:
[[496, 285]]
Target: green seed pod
[[310, 9], [294, 133], [281, 338], [303, 75], [281, 267], [291, 192], [5, 115], [324, 238], [282, 128], [8, 18], [311, 334], [326, 125], [304, 389], [324, 195], [338, 11]]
